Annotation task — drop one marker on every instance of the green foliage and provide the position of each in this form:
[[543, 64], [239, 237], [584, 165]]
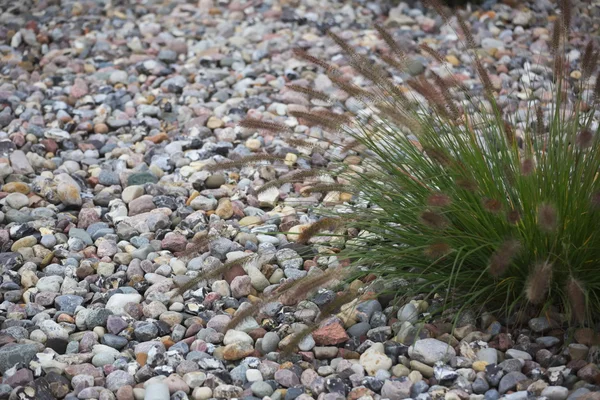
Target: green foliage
[[467, 204]]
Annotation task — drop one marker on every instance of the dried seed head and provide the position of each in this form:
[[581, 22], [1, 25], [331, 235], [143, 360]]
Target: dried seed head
[[565, 11], [484, 77], [595, 200], [576, 295], [445, 89], [434, 220], [492, 205], [584, 139], [589, 60], [432, 52], [324, 224], [326, 119], [315, 94], [392, 44], [513, 217], [466, 30], [301, 53], [527, 166], [466, 184], [597, 88], [327, 188], [295, 176], [437, 250], [437, 155], [270, 126], [538, 283], [439, 8], [438, 200], [557, 32], [249, 160], [547, 217], [509, 133], [539, 115], [503, 257]]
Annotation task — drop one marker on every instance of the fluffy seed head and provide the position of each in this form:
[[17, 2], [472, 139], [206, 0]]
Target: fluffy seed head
[[576, 295], [538, 283], [539, 116], [434, 220], [584, 138], [513, 217], [527, 166], [466, 30], [589, 60], [315, 94], [437, 250], [557, 31], [547, 217], [249, 160], [432, 52], [438, 200], [301, 53], [264, 125], [565, 10], [492, 205], [595, 200], [324, 224], [503, 257]]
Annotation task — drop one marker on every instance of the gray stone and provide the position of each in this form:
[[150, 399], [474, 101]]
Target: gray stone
[[430, 351], [510, 380], [16, 354]]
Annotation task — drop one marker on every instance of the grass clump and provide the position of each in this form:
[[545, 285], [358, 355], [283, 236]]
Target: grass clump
[[464, 201]]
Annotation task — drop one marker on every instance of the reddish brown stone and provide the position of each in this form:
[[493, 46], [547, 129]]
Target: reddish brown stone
[[590, 373], [586, 336], [231, 273], [331, 334]]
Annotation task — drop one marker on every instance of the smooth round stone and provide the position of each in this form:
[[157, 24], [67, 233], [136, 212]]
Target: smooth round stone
[[261, 389], [16, 200], [157, 391]]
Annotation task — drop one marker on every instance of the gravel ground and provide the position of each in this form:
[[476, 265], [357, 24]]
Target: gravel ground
[[109, 114]]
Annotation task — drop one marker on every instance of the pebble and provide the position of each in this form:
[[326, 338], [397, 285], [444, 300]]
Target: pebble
[[110, 119]]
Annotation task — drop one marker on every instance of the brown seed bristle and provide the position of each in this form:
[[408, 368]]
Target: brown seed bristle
[[324, 224], [445, 89], [466, 184], [306, 144], [350, 88], [295, 176], [466, 30], [437, 155], [434, 220], [392, 62], [565, 10], [211, 274], [437, 250], [432, 52], [557, 31], [527, 166], [249, 160], [584, 138], [538, 283], [484, 77], [547, 217], [301, 53], [503, 257], [316, 94], [539, 115], [588, 62], [576, 295], [270, 126], [595, 200], [438, 200], [392, 44], [439, 8], [513, 217], [326, 119], [559, 69], [334, 187], [597, 88], [492, 205], [509, 133]]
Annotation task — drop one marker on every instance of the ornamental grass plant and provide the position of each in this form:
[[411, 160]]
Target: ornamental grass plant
[[454, 198]]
